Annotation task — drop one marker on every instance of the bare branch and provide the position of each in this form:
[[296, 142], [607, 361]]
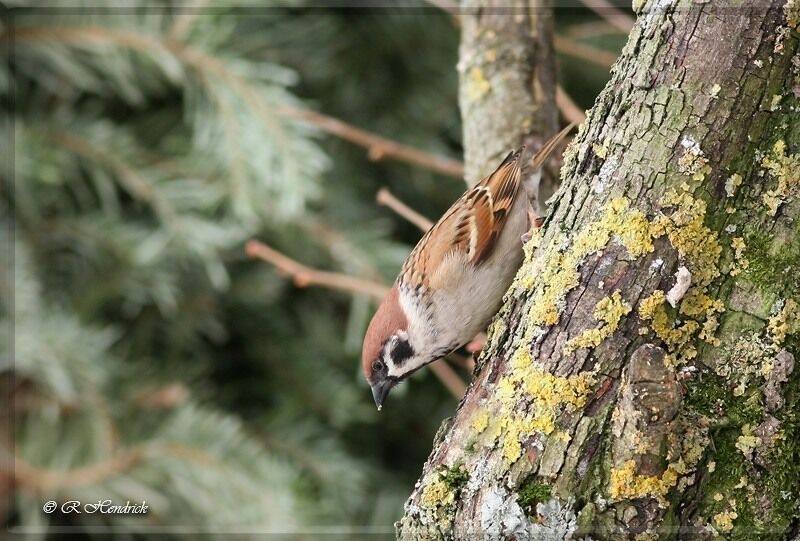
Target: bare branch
[[304, 276], [613, 15], [584, 52], [589, 29], [386, 198], [378, 147], [449, 378], [569, 108]]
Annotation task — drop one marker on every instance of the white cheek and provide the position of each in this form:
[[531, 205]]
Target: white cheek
[[405, 368]]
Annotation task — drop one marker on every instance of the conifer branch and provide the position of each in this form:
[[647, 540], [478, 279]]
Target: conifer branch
[[378, 147], [183, 21]]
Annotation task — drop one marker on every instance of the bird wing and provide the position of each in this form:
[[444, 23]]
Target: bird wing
[[470, 228]]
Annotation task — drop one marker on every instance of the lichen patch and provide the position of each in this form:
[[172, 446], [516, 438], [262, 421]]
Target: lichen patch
[[785, 169], [609, 311]]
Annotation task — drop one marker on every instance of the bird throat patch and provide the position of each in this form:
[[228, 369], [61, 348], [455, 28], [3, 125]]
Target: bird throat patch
[[401, 352]]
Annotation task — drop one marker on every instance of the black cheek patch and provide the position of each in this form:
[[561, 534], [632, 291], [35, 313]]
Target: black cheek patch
[[401, 352]]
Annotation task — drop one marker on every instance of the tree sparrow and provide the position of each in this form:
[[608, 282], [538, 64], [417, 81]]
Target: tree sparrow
[[453, 281]]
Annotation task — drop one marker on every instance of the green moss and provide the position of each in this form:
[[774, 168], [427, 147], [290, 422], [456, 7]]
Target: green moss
[[533, 492], [455, 478], [773, 266], [783, 478], [709, 396], [733, 477]]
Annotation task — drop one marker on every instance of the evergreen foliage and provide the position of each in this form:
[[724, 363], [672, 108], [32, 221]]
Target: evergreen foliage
[[150, 359]]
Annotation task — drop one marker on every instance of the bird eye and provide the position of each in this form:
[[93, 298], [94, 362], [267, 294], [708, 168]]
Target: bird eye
[[377, 366]]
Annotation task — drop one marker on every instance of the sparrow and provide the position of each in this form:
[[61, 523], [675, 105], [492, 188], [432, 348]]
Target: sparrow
[[454, 280]]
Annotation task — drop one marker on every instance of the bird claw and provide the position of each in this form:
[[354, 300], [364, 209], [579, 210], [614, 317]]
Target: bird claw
[[535, 222], [475, 346]]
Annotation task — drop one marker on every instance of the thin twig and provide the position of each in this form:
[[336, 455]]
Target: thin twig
[[449, 378], [463, 361], [569, 108], [584, 52], [378, 147], [304, 276], [44, 480], [613, 15], [589, 29], [386, 198]]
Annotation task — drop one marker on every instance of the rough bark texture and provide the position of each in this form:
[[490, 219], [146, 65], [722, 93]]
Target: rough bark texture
[[639, 382], [507, 81]]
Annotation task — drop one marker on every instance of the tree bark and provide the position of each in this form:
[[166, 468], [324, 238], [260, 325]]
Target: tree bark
[[639, 381], [507, 82]]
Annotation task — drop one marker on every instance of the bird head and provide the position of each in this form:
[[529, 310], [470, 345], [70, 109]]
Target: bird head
[[388, 355]]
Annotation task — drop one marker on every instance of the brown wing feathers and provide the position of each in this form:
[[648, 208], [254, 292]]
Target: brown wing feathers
[[474, 222]]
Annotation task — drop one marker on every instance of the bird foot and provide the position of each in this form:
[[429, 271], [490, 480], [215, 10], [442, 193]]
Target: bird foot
[[475, 346], [535, 222]]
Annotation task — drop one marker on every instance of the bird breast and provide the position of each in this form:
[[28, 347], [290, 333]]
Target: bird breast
[[464, 297]]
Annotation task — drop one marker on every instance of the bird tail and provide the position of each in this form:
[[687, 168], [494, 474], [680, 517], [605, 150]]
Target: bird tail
[[538, 160]]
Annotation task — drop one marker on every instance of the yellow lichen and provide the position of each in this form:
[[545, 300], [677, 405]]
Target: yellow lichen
[[626, 484], [600, 151], [480, 421], [435, 492], [738, 245], [718, 497], [776, 101], [677, 338], [747, 441], [693, 162], [786, 170], [700, 249], [683, 455], [560, 275], [733, 182], [723, 521], [549, 394], [477, 84], [791, 10], [715, 90], [784, 323], [696, 244], [649, 306], [609, 311]]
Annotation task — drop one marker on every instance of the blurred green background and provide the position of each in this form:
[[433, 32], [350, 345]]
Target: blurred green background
[[152, 360]]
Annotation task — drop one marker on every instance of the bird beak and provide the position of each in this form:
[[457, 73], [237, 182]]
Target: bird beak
[[379, 392]]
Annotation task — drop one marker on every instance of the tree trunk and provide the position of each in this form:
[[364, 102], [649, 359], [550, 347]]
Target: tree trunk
[[507, 82], [638, 382]]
